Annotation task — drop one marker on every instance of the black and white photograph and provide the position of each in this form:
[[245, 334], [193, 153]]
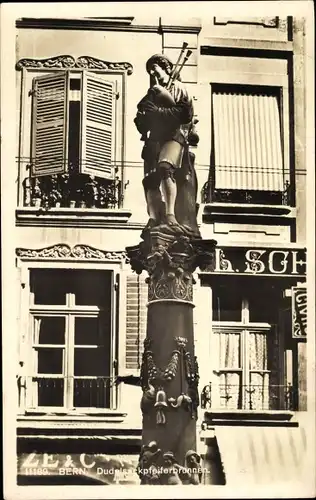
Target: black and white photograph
[[158, 260]]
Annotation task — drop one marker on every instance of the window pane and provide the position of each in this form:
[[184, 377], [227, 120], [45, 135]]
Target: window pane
[[226, 304], [49, 286], [92, 393], [50, 360], [257, 349], [50, 330], [93, 288], [264, 304], [93, 362], [257, 395], [230, 391], [50, 392], [87, 331], [229, 350]]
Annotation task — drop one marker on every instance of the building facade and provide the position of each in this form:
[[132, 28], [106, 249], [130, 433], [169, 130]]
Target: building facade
[[82, 312]]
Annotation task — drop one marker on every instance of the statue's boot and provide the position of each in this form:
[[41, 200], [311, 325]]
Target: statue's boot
[[150, 224]]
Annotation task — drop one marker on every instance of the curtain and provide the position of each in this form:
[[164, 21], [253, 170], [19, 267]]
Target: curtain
[[229, 361], [257, 394], [247, 136]]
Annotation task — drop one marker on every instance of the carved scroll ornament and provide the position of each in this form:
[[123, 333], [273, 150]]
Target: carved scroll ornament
[[63, 251], [170, 263], [67, 61]]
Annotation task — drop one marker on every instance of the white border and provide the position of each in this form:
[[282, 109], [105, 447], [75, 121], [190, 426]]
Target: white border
[[179, 10]]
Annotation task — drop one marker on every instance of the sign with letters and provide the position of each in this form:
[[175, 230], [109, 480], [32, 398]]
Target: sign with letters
[[260, 261], [299, 312], [103, 468]]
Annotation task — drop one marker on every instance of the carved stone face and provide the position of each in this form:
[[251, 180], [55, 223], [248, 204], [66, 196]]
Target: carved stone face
[[158, 72]]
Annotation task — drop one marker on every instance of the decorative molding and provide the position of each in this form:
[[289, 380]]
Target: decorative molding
[[266, 22], [67, 62], [88, 24], [63, 251], [274, 49]]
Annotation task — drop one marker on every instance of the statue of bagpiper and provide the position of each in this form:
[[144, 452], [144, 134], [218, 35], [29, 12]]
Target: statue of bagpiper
[[170, 251], [166, 122]]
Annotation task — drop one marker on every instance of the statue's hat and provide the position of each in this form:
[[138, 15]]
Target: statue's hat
[[160, 59]]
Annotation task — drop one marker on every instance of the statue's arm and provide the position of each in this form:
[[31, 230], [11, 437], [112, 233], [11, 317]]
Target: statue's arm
[[180, 114], [177, 114], [141, 123]]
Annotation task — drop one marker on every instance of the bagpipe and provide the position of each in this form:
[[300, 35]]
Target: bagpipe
[[159, 95]]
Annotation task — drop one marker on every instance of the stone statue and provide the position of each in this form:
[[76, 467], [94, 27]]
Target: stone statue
[[165, 120]]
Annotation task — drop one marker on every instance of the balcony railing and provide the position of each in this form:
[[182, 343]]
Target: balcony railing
[[59, 391], [210, 194], [72, 190], [248, 397]]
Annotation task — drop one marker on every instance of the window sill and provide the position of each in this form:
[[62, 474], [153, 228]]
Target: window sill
[[239, 213], [248, 209], [249, 417], [81, 422], [78, 217]]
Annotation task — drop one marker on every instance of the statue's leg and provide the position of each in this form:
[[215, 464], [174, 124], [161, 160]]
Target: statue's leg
[[153, 199], [170, 158], [169, 190]]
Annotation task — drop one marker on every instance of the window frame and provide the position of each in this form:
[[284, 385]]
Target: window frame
[[244, 328], [25, 329], [280, 89], [24, 117], [218, 67]]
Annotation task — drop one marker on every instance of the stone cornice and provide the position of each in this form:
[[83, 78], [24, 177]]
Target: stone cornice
[[75, 217], [69, 62], [190, 27], [107, 24], [92, 24]]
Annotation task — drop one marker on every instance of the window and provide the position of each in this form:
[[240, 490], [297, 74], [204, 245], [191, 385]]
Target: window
[[73, 125], [246, 351], [247, 146], [72, 349], [71, 152]]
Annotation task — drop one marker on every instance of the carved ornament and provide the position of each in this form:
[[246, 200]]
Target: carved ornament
[[67, 61], [160, 467], [154, 381], [170, 262], [63, 251]]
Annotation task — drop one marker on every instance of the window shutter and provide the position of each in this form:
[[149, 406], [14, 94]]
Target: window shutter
[[136, 321], [247, 141], [98, 126], [50, 127]]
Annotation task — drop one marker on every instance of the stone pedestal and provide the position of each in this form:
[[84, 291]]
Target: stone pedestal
[[169, 373]]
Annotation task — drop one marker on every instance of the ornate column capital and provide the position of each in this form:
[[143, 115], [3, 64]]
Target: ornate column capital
[[170, 261]]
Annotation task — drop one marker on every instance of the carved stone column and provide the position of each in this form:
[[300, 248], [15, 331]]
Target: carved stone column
[[169, 373]]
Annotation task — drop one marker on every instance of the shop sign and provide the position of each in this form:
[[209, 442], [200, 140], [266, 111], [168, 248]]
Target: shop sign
[[107, 469], [299, 312], [260, 261]]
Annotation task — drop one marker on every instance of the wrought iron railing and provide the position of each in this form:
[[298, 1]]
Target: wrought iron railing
[[72, 190], [248, 397], [58, 391], [209, 194]]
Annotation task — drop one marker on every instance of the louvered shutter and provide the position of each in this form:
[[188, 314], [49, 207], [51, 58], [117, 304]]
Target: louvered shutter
[[247, 141], [98, 126], [136, 320], [50, 127]]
